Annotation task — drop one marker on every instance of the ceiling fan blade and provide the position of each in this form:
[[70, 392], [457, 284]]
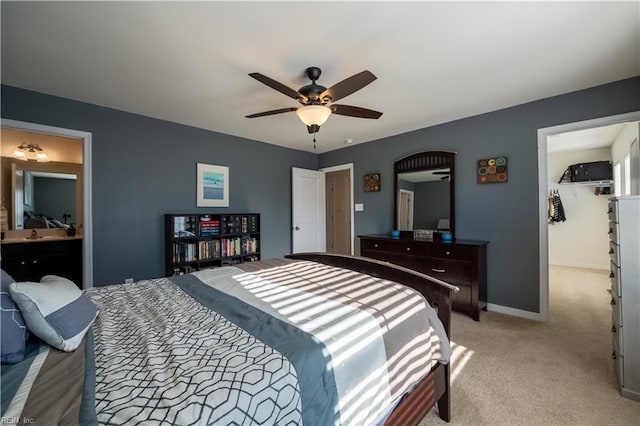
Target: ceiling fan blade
[[314, 128], [354, 111], [272, 112], [348, 86], [277, 86]]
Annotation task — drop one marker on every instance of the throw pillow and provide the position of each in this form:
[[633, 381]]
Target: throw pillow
[[14, 331], [55, 310]]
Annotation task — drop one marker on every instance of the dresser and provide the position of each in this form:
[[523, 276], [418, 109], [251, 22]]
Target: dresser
[[462, 263], [624, 241], [27, 260]]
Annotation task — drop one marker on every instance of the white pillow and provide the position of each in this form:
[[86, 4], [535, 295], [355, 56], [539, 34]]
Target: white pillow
[[55, 310]]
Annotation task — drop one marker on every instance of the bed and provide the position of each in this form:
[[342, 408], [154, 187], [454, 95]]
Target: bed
[[308, 339]]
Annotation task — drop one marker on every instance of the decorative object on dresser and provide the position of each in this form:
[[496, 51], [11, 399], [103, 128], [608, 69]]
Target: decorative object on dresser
[[624, 250], [201, 241], [462, 263]]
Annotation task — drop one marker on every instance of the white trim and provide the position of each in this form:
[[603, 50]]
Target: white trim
[[348, 166], [87, 226], [543, 190], [603, 267], [515, 312]]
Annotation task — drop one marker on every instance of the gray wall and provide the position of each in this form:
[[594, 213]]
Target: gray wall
[[144, 167], [504, 214]]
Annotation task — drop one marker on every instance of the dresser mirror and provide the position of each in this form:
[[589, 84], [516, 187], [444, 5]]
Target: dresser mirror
[[424, 185]]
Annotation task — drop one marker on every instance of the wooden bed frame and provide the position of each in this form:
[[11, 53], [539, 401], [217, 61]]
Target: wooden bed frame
[[434, 388]]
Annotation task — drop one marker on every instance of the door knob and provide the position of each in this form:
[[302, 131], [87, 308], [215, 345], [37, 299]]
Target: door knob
[[297, 228]]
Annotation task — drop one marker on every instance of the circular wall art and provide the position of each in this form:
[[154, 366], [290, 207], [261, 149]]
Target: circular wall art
[[492, 170]]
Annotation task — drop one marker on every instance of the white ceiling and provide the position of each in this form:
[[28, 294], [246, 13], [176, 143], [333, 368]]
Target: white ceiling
[[188, 62]]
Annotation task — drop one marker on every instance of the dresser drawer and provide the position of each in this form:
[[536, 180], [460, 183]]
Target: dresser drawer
[[617, 333], [616, 314], [618, 365], [376, 245], [450, 271], [614, 275], [411, 248], [462, 299], [451, 252], [614, 252], [613, 232], [613, 211]]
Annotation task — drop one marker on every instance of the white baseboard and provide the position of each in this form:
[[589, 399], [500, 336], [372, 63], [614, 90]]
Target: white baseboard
[[514, 312], [604, 267]]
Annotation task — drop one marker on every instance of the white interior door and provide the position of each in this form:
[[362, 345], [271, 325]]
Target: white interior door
[[308, 200]]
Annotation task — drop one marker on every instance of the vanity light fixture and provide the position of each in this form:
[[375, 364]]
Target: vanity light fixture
[[30, 151]]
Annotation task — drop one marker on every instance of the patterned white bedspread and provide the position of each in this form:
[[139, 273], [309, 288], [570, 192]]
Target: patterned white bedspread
[[281, 342]]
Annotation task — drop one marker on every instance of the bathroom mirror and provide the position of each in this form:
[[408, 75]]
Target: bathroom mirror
[[424, 191]]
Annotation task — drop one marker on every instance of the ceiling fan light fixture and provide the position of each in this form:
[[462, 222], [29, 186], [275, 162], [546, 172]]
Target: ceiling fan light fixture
[[314, 114]]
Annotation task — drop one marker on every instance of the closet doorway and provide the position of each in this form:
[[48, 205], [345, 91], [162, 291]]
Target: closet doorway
[[581, 240]]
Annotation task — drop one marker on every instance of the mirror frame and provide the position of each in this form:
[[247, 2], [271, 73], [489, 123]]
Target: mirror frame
[[426, 160]]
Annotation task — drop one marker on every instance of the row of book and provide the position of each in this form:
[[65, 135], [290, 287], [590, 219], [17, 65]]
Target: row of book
[[189, 226], [203, 250], [185, 252], [209, 226]]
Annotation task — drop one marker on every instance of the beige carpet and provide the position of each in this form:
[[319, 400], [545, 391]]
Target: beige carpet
[[512, 371]]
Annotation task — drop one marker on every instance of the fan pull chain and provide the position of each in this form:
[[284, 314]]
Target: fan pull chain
[[314, 140]]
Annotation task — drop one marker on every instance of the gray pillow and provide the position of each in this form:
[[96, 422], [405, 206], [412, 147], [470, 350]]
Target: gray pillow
[[14, 332], [55, 310]]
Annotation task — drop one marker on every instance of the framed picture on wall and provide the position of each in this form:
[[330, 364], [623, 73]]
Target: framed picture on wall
[[212, 185], [372, 182]]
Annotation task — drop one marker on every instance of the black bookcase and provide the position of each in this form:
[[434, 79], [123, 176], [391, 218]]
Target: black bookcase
[[200, 241]]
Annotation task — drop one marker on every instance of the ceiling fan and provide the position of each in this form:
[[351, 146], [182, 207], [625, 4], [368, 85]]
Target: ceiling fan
[[317, 101]]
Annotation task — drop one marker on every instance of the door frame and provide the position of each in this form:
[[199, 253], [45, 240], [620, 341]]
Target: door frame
[[543, 191], [87, 226], [347, 166], [410, 210]]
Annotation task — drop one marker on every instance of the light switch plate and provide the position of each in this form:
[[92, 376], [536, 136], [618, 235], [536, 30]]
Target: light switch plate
[[359, 207]]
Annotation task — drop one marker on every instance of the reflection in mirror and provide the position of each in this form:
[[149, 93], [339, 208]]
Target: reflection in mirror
[[44, 199], [424, 195]]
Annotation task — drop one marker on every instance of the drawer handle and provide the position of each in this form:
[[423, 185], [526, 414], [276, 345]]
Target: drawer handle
[[611, 275], [613, 355], [23, 262], [408, 248], [438, 270], [35, 261], [613, 329], [448, 252], [610, 251], [375, 245], [610, 211], [613, 301], [610, 231]]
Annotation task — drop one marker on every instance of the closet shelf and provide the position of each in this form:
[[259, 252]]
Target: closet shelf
[[585, 183]]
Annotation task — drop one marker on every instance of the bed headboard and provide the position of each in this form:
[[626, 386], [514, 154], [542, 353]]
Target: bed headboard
[[434, 290]]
